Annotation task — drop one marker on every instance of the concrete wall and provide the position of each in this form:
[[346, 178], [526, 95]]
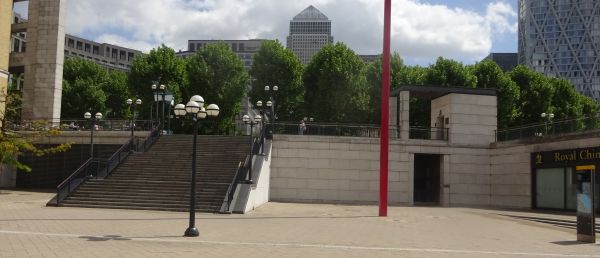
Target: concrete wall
[[44, 60], [472, 118], [346, 170], [6, 14], [83, 137], [511, 167]]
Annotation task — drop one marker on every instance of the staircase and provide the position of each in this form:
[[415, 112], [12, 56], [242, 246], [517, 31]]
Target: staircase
[[160, 178]]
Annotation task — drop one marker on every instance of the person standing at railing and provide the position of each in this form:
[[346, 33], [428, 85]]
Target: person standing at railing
[[302, 127]]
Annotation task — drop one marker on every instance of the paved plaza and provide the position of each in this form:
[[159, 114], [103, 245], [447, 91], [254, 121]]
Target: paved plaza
[[30, 229]]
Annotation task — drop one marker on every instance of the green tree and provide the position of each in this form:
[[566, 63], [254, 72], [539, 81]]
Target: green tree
[[13, 144], [490, 76], [566, 101], [275, 65], [218, 75], [447, 72], [336, 89], [161, 66], [536, 94], [83, 83], [373, 76], [117, 93]]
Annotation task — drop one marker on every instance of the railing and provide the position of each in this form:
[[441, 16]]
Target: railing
[[150, 140], [370, 131], [99, 168], [428, 133], [244, 168], [550, 128], [64, 189], [81, 125], [366, 131]]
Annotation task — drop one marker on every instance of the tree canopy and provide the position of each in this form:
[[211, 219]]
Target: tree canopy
[[275, 65], [336, 89]]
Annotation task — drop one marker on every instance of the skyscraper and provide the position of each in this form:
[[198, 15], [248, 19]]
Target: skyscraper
[[310, 30], [561, 39]]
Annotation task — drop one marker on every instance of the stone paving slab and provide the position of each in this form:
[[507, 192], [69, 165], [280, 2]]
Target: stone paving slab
[[29, 229]]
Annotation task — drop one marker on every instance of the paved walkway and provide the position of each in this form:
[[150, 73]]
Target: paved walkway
[[29, 229]]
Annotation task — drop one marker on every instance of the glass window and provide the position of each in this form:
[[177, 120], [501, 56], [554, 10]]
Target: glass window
[[550, 188]]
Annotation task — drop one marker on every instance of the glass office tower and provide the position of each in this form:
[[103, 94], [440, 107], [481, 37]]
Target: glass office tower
[[561, 38]]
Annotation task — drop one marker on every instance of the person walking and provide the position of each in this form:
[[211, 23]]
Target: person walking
[[302, 127]]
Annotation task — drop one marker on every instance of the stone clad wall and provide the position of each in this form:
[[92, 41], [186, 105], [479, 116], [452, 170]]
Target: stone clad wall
[[334, 169], [511, 178], [346, 170]]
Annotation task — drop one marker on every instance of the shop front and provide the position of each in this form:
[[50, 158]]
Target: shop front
[[554, 178]]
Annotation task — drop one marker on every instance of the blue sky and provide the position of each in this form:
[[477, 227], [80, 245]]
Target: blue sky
[[422, 30]]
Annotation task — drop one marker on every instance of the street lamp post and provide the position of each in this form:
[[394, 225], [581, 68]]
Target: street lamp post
[[162, 88], [271, 91], [547, 118], [195, 109], [259, 104], [132, 125], [155, 95], [93, 119], [252, 123]]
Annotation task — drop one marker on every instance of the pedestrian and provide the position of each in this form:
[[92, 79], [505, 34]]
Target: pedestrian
[[302, 128]]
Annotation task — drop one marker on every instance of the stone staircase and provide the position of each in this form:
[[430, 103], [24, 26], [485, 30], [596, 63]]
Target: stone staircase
[[160, 178]]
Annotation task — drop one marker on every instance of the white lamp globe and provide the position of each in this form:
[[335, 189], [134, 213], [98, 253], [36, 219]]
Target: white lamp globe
[[192, 107], [87, 115], [180, 110], [246, 118], [98, 115], [257, 118], [201, 114], [138, 101], [212, 110], [129, 101], [198, 99]]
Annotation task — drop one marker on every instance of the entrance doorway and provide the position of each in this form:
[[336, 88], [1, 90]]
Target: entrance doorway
[[427, 179]]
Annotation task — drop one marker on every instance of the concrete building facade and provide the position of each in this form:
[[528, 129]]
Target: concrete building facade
[[466, 168], [5, 26], [112, 57], [560, 39], [506, 61], [43, 60], [244, 49], [310, 30]]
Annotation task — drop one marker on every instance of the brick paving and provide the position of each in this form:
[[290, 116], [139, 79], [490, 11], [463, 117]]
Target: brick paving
[[29, 229]]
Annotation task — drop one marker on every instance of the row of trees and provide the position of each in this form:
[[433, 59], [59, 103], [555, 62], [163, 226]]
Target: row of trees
[[336, 86]]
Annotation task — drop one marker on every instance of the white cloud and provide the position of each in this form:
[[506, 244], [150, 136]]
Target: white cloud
[[421, 31]]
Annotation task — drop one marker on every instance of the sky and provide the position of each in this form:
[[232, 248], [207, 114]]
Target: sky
[[422, 30]]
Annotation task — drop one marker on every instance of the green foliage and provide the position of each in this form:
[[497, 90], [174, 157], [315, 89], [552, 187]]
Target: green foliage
[[117, 93], [446, 72], [490, 75], [14, 144], [536, 94], [217, 74], [275, 65], [373, 76], [88, 86], [161, 66], [336, 89]]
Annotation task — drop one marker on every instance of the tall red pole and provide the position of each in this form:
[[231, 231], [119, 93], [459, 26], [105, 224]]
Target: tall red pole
[[385, 112]]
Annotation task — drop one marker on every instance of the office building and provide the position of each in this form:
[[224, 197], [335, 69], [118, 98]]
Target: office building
[[112, 57], [245, 49], [310, 30], [560, 39], [506, 61]]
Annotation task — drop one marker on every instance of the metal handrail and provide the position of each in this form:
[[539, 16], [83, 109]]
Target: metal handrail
[[109, 163], [233, 185], [571, 125], [242, 170], [67, 182], [80, 125]]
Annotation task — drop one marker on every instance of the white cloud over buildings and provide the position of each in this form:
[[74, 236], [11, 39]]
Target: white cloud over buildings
[[420, 30]]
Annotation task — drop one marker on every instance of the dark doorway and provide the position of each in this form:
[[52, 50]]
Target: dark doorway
[[427, 179]]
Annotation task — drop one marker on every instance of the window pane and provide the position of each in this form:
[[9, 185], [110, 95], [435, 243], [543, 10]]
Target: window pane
[[550, 188]]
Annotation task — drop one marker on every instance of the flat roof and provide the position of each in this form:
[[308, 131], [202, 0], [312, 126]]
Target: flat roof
[[433, 92]]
